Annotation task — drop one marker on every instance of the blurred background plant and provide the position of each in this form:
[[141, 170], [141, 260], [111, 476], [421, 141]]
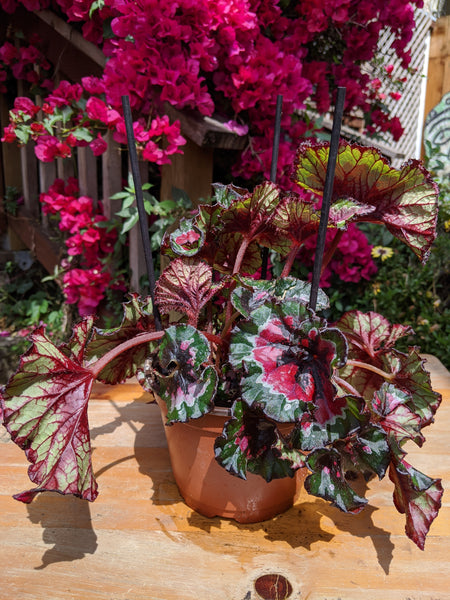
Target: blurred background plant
[[27, 300]]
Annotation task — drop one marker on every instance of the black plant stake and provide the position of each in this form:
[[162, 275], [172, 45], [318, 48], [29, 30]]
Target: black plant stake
[[327, 194], [140, 206], [273, 171]]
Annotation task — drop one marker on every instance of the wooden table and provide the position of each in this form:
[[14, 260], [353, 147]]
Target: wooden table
[[139, 541]]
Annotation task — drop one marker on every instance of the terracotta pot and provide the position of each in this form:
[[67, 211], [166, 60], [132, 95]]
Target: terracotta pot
[[208, 488]]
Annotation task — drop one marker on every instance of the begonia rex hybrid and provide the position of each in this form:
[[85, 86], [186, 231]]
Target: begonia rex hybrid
[[256, 347]]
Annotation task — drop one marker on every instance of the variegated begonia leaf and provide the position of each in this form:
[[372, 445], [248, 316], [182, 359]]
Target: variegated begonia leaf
[[226, 254], [344, 211], [308, 434], [288, 361], [185, 286], [370, 333], [251, 215], [405, 199], [296, 218], [187, 239], [367, 452], [225, 195], [253, 293], [409, 375], [250, 442], [400, 423], [138, 318], [44, 408], [186, 385], [371, 339], [327, 481], [417, 496]]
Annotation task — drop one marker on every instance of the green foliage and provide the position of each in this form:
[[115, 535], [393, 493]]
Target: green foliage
[[27, 301], [406, 292]]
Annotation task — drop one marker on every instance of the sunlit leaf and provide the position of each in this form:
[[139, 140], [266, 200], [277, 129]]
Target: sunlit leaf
[[186, 385], [405, 199], [327, 481], [138, 318], [398, 420], [251, 215], [418, 496], [45, 411], [253, 293], [288, 361]]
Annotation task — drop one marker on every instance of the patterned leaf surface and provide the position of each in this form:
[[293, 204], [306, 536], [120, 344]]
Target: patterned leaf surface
[[186, 385], [288, 362], [296, 218], [397, 419], [252, 294], [185, 286], [344, 211], [187, 239], [371, 332], [368, 451], [225, 195], [411, 376], [405, 199], [327, 481], [309, 434], [45, 412], [418, 496], [251, 215], [138, 318], [252, 443]]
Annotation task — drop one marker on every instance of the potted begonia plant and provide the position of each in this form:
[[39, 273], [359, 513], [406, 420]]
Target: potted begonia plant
[[299, 394]]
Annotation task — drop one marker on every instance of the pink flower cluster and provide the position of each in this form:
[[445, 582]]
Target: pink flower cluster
[[234, 56], [352, 260], [87, 242], [25, 62], [64, 122]]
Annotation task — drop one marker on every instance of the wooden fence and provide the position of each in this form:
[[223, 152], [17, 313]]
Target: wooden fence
[[98, 177]]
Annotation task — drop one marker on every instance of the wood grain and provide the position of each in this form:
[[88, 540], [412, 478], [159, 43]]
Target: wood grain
[[139, 541]]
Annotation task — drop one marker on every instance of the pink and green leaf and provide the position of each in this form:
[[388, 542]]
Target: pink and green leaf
[[399, 422], [308, 434], [410, 376], [186, 383], [185, 286], [405, 199], [295, 219], [327, 481], [45, 411], [288, 360], [417, 496], [187, 239], [370, 333], [250, 442], [251, 215], [253, 293]]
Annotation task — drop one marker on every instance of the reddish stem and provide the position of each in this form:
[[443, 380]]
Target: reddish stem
[[142, 338], [290, 259]]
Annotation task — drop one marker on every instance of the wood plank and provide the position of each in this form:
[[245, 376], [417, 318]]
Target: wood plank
[[139, 540], [191, 172]]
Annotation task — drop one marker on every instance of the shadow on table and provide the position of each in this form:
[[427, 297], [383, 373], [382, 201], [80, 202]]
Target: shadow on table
[[301, 527], [67, 525]]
